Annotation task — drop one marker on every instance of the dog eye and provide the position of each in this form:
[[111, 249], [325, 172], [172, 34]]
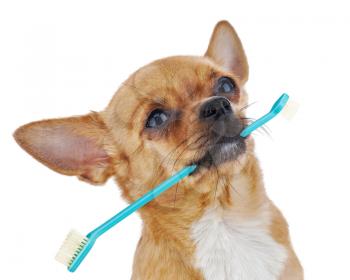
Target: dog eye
[[225, 85], [157, 118]]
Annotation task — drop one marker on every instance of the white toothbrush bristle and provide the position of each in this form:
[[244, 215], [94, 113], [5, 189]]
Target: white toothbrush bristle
[[290, 110], [71, 246]]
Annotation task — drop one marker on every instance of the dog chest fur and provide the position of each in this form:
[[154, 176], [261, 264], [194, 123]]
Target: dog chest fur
[[231, 249]]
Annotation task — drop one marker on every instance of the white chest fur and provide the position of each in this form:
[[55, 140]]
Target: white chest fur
[[232, 249]]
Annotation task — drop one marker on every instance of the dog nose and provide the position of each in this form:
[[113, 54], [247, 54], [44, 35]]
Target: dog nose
[[215, 108]]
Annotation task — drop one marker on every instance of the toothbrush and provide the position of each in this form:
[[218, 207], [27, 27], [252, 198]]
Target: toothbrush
[[282, 102], [77, 246]]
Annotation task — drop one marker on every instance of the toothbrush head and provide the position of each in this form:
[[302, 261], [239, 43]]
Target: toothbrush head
[[286, 106], [279, 104], [282, 104], [290, 109], [73, 250]]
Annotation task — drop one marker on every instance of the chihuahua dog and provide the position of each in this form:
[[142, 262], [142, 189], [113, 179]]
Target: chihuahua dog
[[216, 224]]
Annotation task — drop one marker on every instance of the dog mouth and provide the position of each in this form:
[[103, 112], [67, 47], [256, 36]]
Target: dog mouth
[[225, 149]]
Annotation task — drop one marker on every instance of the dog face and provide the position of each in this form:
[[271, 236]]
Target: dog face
[[171, 113]]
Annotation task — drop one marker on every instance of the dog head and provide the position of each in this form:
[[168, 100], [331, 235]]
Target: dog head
[[171, 113]]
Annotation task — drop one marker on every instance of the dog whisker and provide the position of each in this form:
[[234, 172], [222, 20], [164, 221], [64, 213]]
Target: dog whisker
[[247, 106]]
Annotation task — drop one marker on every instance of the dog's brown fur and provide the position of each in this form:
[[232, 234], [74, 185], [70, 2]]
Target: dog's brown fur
[[115, 143]]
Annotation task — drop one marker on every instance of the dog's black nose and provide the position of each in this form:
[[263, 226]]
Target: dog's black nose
[[214, 108]]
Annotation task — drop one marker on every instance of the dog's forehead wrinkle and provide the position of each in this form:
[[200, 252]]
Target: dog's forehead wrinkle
[[172, 69], [170, 83]]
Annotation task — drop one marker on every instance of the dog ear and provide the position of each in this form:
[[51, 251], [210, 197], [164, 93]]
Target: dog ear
[[226, 49], [80, 146]]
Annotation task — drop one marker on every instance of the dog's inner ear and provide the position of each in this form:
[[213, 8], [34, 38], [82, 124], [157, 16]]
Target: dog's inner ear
[[226, 49], [79, 146]]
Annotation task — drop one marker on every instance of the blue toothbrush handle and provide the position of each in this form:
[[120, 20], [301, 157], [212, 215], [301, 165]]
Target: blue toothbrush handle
[[255, 125], [276, 108], [142, 201], [93, 235]]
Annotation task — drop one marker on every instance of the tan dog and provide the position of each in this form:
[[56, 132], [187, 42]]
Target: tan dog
[[217, 223]]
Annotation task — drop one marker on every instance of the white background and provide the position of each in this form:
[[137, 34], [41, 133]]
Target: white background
[[61, 58]]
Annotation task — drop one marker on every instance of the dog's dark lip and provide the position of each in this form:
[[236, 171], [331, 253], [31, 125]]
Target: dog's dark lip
[[227, 139], [207, 161]]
